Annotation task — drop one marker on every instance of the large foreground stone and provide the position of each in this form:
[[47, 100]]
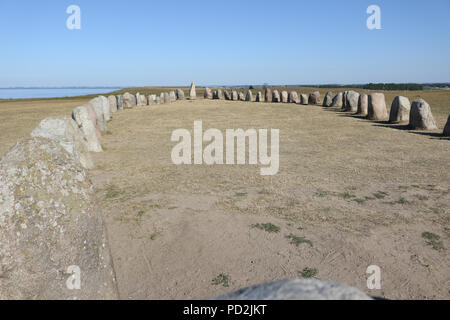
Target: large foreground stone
[[180, 94], [106, 108], [172, 96], [400, 109], [48, 223], [227, 95], [166, 97], [297, 289], [352, 101], [420, 117], [141, 100], [86, 125], [119, 102], [363, 105], [377, 107], [218, 94], [234, 95], [314, 97], [65, 131], [112, 103], [241, 96], [328, 99], [276, 96], [249, 96], [259, 97], [129, 100], [97, 105]]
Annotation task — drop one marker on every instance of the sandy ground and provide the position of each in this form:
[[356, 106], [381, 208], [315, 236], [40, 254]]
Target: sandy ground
[[358, 193]]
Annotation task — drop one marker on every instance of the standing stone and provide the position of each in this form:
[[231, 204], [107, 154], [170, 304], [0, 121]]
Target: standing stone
[[158, 100], [328, 100], [314, 98], [119, 102], [276, 96], [141, 100], [129, 100], [241, 96], [218, 95], [106, 108], [447, 128], [304, 99], [180, 94], [86, 125], [192, 92], [49, 221], [268, 95], [377, 107], [344, 100], [166, 97], [400, 109], [227, 95], [150, 100], [65, 131], [172, 96], [93, 116], [112, 103], [97, 105], [420, 117], [207, 94], [259, 97], [363, 105], [352, 101], [249, 96], [284, 96], [234, 95], [338, 100], [161, 97], [293, 97]]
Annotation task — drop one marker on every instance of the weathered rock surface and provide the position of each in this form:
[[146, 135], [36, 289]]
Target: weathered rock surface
[[338, 100], [259, 97], [249, 96], [129, 100], [218, 94], [227, 95], [49, 222], [158, 100], [352, 101], [328, 99], [180, 94], [207, 94], [234, 95], [420, 117], [65, 131], [192, 92], [241, 96], [166, 97], [97, 105], [268, 95], [106, 108], [377, 107], [314, 98], [304, 99], [297, 289], [400, 109], [93, 116], [161, 97], [141, 100], [284, 96], [86, 125], [112, 103], [172, 96], [363, 105], [276, 96], [119, 102], [293, 97]]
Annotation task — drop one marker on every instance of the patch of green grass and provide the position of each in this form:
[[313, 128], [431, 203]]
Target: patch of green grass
[[347, 195], [421, 197], [240, 194], [380, 195], [108, 132], [154, 235], [433, 240], [112, 192], [360, 201], [298, 240], [308, 272], [172, 208], [222, 279], [321, 194], [402, 201], [268, 227]]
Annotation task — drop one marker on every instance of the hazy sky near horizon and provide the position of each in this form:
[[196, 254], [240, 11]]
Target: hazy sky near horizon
[[137, 43]]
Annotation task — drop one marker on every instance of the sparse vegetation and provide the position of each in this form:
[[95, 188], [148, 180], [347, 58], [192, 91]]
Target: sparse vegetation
[[380, 195], [268, 227], [433, 240], [298, 240], [112, 192], [222, 279], [308, 272]]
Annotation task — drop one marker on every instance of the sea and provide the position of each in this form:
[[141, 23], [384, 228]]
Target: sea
[[26, 93]]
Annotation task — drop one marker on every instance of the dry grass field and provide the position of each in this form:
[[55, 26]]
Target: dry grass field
[[350, 193]]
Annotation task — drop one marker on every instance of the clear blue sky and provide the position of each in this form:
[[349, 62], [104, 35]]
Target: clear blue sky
[[136, 42]]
